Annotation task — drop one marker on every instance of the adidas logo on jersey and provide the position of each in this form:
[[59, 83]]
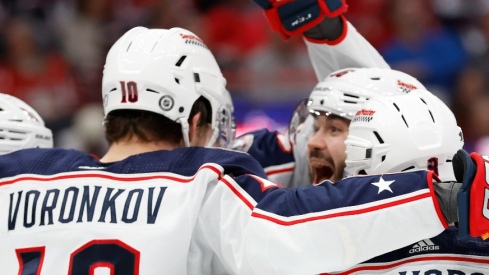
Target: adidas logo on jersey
[[424, 245]]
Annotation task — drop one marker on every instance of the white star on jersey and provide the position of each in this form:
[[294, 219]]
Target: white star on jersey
[[383, 185]]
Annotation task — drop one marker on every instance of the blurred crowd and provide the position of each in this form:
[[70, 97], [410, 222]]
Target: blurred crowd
[[52, 54]]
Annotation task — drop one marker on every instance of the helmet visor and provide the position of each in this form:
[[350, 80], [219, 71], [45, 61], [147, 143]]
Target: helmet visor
[[297, 120]]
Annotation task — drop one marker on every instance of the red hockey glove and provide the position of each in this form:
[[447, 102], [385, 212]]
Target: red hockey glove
[[292, 17], [473, 198]]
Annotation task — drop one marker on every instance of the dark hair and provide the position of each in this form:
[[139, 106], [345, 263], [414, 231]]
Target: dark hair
[[148, 126]]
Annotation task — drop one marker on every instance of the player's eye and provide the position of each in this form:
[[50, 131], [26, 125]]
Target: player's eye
[[336, 130]]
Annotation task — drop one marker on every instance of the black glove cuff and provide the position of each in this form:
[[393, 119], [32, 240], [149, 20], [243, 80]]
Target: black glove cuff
[[446, 193], [329, 29]]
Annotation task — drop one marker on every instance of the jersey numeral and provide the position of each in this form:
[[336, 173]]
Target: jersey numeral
[[130, 93], [30, 260], [120, 258]]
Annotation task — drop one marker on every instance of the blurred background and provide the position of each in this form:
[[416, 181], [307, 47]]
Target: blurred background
[[52, 54]]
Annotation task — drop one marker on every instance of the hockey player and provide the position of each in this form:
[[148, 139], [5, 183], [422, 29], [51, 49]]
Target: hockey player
[[407, 133], [154, 205], [21, 126], [403, 133], [334, 102], [335, 48], [285, 158]]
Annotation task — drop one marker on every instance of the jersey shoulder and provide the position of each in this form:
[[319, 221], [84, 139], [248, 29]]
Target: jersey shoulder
[[186, 161], [182, 161], [43, 161], [269, 148]]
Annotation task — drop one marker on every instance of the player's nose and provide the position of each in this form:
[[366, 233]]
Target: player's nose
[[316, 142]]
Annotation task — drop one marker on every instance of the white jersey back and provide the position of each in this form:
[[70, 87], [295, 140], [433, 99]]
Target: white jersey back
[[84, 219]]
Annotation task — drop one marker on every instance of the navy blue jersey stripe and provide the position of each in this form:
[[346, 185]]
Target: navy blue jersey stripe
[[347, 192]]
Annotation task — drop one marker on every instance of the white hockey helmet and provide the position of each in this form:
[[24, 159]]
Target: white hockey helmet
[[21, 126], [165, 72], [343, 92], [403, 132]]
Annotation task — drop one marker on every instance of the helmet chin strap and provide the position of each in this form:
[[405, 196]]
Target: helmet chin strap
[[185, 128]]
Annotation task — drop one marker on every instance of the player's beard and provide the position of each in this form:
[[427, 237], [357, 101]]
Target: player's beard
[[322, 167]]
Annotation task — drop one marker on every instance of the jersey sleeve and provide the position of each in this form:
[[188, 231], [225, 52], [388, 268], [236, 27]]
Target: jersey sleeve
[[258, 228], [350, 50], [272, 150]]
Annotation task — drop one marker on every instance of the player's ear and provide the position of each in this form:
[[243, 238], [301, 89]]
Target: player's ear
[[193, 122]]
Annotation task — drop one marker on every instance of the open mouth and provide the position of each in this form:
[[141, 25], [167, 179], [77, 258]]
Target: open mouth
[[321, 172]]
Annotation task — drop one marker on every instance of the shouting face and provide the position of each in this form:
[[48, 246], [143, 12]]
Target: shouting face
[[326, 148]]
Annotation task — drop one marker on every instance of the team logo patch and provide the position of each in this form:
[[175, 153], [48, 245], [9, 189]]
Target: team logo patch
[[166, 103], [405, 87], [363, 116]]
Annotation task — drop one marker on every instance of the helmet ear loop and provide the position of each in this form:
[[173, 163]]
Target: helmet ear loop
[[359, 167]]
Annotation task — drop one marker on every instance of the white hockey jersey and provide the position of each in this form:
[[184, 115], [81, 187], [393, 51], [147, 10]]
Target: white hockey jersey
[[170, 212]]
